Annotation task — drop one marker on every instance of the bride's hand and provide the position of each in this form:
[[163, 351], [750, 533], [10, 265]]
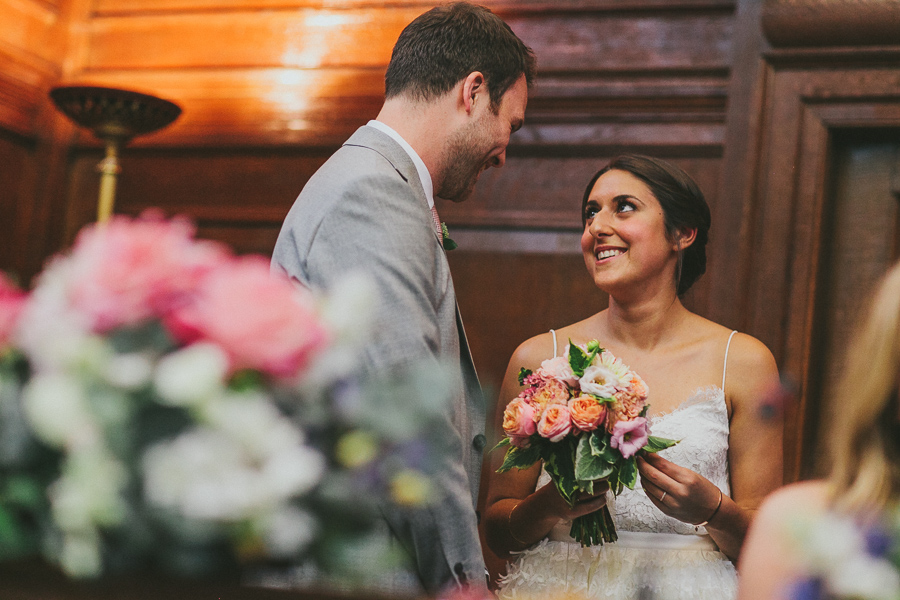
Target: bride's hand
[[584, 503], [676, 491]]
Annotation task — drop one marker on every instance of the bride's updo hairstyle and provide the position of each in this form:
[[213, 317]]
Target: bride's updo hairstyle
[[683, 205]]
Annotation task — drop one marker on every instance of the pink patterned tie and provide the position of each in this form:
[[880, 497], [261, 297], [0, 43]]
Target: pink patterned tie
[[437, 225]]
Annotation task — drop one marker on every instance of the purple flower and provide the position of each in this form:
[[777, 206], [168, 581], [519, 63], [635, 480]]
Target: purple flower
[[807, 589], [878, 542], [630, 436]]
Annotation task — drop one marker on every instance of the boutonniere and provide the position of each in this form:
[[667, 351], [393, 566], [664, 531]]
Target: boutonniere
[[449, 244]]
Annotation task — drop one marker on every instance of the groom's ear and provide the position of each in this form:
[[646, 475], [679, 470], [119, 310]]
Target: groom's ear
[[474, 91]]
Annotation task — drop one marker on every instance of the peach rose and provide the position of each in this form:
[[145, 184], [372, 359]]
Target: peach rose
[[555, 423], [629, 402], [550, 392], [587, 412], [518, 419]]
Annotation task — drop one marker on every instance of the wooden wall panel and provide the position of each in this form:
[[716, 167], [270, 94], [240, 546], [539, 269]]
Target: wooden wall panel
[[17, 176]]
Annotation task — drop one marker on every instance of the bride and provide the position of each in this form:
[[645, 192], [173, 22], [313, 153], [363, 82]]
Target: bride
[[681, 528]]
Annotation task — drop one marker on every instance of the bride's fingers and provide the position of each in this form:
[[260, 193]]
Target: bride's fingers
[[649, 472], [666, 467]]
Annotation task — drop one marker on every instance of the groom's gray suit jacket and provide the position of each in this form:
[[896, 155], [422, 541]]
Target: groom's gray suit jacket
[[365, 209]]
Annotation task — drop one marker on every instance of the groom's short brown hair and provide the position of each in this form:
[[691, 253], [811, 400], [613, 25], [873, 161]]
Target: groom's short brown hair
[[442, 46]]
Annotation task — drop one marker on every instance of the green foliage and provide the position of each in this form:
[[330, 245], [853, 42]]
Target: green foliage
[[579, 360], [520, 458], [655, 444], [523, 373], [588, 465]]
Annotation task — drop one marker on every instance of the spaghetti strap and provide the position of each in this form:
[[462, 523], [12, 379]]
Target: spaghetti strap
[[553, 333], [725, 366]]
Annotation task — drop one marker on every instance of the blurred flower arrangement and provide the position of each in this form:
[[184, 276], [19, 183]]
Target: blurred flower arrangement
[[841, 558], [166, 404]]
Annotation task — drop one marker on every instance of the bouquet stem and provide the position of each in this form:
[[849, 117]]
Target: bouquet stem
[[594, 529]]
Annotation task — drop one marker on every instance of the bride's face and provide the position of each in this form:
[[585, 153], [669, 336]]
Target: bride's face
[[624, 240]]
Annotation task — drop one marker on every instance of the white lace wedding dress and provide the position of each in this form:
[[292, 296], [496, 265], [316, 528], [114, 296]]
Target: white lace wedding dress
[[656, 557]]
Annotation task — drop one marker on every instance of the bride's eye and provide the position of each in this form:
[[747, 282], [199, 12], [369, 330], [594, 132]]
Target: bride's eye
[[590, 211], [624, 206]]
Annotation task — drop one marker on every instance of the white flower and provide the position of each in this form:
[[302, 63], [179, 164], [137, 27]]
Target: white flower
[[292, 472], [348, 308], [80, 555], [601, 381], [58, 410], [863, 576], [614, 364], [129, 371], [191, 375], [288, 531], [254, 421], [88, 493]]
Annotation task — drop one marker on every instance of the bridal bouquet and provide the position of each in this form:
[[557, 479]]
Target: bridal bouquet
[[584, 415], [166, 404]]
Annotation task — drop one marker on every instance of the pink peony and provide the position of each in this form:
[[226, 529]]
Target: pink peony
[[558, 368], [587, 412], [129, 270], [261, 321], [630, 436], [12, 301], [555, 423], [518, 419], [550, 392]]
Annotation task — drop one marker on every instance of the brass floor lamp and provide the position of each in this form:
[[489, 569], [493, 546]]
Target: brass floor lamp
[[115, 116]]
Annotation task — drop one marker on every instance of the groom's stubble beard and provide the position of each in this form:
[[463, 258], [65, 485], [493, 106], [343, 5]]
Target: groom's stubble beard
[[463, 162]]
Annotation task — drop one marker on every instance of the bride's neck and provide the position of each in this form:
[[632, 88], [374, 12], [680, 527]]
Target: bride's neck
[[645, 323]]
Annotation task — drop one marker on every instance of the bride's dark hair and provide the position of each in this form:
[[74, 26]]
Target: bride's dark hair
[[683, 205]]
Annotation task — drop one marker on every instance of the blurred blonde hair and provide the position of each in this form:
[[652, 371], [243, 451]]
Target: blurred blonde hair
[[865, 474]]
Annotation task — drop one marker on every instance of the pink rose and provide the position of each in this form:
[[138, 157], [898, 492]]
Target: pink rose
[[630, 436], [558, 368], [261, 321], [518, 419], [555, 423], [12, 301], [129, 270], [587, 412], [550, 392]]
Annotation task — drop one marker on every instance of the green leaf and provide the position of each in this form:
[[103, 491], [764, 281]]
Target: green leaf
[[504, 442], [655, 444], [589, 467], [520, 458], [600, 446], [246, 379], [523, 373], [628, 473], [579, 359]]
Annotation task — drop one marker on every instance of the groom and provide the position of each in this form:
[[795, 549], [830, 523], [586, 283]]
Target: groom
[[456, 89]]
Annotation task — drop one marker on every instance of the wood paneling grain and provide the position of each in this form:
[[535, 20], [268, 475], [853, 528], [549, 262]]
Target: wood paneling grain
[[17, 172]]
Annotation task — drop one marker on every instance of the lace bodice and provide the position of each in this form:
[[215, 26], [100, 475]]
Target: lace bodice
[[701, 425]]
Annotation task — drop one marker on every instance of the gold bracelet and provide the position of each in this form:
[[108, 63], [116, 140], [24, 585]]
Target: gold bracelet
[[714, 512], [509, 524]]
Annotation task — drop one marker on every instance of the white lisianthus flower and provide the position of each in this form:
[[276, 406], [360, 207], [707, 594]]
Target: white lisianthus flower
[[600, 381], [58, 410], [830, 541], [199, 475], [348, 308], [255, 422], [191, 375], [288, 531], [88, 493], [292, 472], [80, 555], [128, 371]]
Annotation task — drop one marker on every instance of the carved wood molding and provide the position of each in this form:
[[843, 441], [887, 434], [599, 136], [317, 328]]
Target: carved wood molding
[[791, 23]]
